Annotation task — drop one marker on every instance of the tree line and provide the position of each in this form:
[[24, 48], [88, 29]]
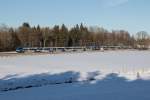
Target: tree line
[[62, 36]]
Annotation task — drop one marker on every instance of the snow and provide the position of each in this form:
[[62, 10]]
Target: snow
[[87, 61], [108, 75], [110, 88]]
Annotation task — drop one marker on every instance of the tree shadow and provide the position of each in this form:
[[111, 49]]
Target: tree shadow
[[111, 87]]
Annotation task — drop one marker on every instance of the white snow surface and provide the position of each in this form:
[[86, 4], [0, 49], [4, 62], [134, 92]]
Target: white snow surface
[[109, 75]]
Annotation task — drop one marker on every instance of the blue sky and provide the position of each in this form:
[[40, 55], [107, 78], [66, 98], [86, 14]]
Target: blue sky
[[131, 15]]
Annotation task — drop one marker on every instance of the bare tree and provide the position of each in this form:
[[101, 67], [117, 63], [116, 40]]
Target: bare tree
[[142, 39]]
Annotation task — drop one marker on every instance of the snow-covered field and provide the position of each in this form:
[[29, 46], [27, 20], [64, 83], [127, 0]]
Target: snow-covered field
[[109, 75]]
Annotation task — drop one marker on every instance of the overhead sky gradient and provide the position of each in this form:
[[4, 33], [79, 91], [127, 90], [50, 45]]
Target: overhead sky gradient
[[131, 15]]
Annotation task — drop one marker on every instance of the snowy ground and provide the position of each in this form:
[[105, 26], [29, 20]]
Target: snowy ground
[[110, 75]]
